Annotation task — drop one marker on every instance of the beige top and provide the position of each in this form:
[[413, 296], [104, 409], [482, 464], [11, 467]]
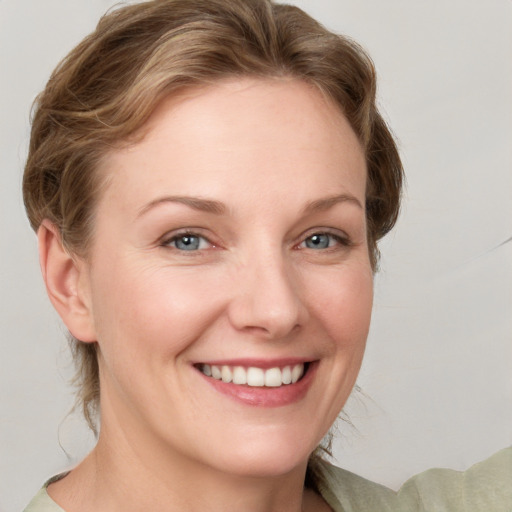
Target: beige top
[[485, 487]]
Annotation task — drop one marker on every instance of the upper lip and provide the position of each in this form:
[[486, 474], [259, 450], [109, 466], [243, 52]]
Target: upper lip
[[258, 363]]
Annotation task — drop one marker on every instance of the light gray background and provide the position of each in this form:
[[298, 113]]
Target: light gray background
[[438, 364]]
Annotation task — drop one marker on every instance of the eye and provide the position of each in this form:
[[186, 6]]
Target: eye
[[323, 241], [187, 242]]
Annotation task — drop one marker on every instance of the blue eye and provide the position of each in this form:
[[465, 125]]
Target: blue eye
[[188, 242], [321, 241]]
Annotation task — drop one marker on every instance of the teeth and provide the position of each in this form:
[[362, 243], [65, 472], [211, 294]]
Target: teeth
[[297, 372], [273, 378], [239, 375], [226, 374], [216, 373], [254, 376]]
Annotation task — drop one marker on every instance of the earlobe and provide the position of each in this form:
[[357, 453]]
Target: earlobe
[[63, 275]]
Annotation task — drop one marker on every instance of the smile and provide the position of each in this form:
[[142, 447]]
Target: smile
[[254, 376], [260, 383]]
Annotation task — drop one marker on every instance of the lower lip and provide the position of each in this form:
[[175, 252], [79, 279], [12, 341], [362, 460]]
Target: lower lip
[[266, 396]]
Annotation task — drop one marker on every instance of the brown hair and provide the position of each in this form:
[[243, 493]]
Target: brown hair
[[104, 91]]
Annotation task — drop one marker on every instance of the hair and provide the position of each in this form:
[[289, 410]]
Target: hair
[[101, 95]]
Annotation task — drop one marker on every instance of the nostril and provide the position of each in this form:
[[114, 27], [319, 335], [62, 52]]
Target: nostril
[[266, 303], [271, 331]]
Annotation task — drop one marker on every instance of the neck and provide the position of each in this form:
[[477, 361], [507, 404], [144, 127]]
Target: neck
[[129, 476]]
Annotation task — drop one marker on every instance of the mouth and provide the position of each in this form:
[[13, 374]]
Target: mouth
[[260, 383], [254, 376]]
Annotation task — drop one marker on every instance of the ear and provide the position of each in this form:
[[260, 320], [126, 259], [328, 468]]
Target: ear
[[67, 284]]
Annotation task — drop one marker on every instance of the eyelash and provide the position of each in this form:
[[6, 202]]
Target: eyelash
[[167, 242], [339, 240]]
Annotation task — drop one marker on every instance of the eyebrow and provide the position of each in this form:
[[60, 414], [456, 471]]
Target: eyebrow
[[328, 202], [218, 208], [197, 203]]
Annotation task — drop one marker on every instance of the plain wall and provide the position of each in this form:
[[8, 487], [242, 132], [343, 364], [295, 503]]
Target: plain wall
[[437, 375]]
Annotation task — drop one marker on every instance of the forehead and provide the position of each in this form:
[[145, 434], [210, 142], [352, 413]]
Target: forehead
[[209, 140]]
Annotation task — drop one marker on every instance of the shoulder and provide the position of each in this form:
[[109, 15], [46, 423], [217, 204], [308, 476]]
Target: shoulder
[[42, 502], [485, 486], [347, 492]]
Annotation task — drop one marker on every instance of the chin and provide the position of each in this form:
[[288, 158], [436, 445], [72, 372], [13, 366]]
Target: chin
[[264, 458]]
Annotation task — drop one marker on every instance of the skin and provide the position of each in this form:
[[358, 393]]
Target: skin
[[272, 155]]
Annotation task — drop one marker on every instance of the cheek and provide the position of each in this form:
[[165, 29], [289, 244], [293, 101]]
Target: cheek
[[344, 300], [151, 312], [343, 312]]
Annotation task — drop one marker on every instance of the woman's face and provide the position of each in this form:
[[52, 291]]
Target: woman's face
[[232, 241]]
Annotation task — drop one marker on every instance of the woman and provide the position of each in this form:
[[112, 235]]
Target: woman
[[209, 180]]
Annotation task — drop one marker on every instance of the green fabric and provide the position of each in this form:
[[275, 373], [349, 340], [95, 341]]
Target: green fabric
[[43, 503], [485, 487]]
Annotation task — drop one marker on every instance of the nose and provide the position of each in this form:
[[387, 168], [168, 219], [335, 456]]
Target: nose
[[266, 299]]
